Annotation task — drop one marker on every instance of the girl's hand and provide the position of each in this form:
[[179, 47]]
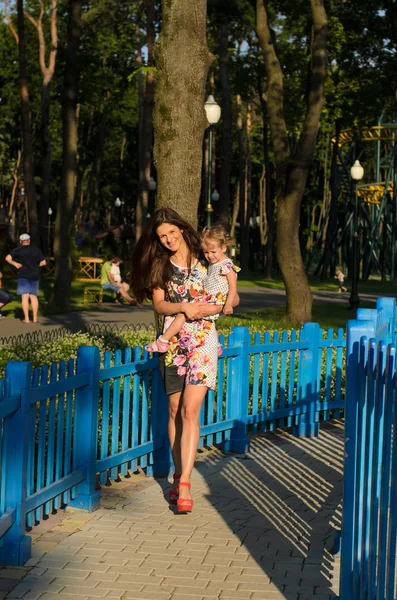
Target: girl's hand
[[227, 310]]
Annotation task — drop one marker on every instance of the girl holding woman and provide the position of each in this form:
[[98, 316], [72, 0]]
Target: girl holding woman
[[167, 270]]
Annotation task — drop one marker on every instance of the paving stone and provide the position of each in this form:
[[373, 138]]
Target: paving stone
[[147, 595], [229, 595], [61, 596]]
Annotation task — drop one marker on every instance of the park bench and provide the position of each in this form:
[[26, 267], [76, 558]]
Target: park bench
[[93, 295]]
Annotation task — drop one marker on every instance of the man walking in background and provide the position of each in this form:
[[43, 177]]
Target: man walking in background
[[28, 260]]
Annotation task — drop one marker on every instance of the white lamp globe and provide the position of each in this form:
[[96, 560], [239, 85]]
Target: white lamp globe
[[215, 196], [117, 203], [50, 211], [213, 110], [357, 171]]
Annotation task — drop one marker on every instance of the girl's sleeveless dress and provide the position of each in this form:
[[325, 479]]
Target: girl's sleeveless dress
[[194, 351]]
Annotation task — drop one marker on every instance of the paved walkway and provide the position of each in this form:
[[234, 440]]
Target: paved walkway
[[262, 529]]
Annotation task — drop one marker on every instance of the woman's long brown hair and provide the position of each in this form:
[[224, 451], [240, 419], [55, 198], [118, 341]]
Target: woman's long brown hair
[[150, 265]]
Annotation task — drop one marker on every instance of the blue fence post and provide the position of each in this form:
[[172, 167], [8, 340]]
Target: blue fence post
[[237, 393], [17, 546], [308, 382], [86, 428], [159, 427], [355, 331]]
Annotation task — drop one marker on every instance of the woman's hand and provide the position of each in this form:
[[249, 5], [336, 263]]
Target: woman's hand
[[194, 310]]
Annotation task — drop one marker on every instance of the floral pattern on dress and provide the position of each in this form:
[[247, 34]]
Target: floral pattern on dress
[[194, 350]]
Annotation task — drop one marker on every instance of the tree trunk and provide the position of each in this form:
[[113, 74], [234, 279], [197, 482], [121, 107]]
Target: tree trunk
[[146, 138], [45, 137], [235, 212], [241, 182], [227, 119], [27, 154], [292, 168], [245, 208], [64, 219], [100, 149], [45, 167], [179, 117], [333, 211]]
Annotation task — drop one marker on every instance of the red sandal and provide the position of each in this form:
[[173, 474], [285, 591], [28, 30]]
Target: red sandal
[[185, 505], [173, 494]]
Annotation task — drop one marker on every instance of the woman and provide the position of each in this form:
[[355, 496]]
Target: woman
[[167, 270]]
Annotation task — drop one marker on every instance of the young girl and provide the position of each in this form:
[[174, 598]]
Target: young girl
[[341, 279], [220, 283]]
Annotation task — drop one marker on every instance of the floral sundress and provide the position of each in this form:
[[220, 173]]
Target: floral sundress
[[194, 351]]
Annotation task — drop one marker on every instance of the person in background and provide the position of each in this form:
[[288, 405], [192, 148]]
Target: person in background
[[27, 259], [111, 279], [341, 279], [5, 296]]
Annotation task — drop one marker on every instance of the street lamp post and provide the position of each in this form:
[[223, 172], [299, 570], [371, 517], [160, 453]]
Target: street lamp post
[[117, 204], [213, 112], [49, 228], [357, 173]]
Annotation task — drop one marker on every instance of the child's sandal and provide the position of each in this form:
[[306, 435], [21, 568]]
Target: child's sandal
[[158, 346]]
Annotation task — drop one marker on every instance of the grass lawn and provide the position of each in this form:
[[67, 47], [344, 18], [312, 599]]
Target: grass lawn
[[327, 314], [13, 309], [373, 285]]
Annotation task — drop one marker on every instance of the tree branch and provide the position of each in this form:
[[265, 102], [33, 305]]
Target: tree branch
[[54, 39], [9, 22]]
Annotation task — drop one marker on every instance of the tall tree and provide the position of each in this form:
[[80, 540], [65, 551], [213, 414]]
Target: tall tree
[[47, 71], [293, 164], [146, 127], [227, 115], [27, 135], [64, 219], [182, 61]]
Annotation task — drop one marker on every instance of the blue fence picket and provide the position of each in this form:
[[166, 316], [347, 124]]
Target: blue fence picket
[[116, 413], [146, 379], [292, 379], [283, 376], [256, 380], [60, 433], [69, 432], [16, 545], [220, 392], [104, 449], [125, 425], [51, 439], [135, 408], [339, 372], [42, 428]]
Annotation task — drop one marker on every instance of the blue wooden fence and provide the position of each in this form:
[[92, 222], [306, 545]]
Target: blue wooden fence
[[66, 428], [369, 519]]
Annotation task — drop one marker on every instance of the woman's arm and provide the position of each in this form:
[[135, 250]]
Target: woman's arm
[[191, 310]]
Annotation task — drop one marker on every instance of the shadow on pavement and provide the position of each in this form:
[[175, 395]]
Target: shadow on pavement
[[282, 502]]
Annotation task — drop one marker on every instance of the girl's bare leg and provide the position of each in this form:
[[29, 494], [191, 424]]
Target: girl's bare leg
[[192, 401], [175, 430], [174, 328]]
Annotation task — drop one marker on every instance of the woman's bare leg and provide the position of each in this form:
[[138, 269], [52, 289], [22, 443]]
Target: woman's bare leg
[[175, 430], [192, 401]]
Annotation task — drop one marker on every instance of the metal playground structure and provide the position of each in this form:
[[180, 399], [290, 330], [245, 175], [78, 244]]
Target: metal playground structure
[[376, 220]]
